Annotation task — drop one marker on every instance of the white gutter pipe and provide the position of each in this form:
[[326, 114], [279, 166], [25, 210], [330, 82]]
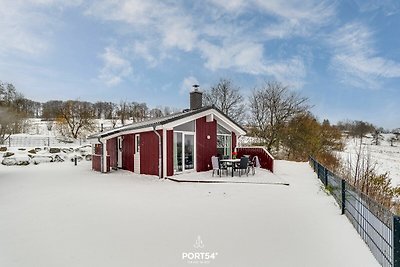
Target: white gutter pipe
[[159, 153]]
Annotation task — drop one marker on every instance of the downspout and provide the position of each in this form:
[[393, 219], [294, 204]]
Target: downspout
[[159, 152], [101, 158]]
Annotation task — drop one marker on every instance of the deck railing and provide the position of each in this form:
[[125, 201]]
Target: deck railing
[[265, 158]]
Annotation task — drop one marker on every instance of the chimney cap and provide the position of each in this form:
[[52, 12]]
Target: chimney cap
[[195, 87]]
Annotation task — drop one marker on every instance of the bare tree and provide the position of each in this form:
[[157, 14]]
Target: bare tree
[[77, 116], [155, 113], [123, 111], [7, 121], [226, 97], [139, 111], [272, 106], [10, 118]]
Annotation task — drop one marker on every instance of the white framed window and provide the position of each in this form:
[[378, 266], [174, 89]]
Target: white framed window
[[137, 143], [224, 142]]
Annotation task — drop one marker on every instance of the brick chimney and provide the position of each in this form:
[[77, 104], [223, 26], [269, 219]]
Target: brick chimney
[[196, 98]]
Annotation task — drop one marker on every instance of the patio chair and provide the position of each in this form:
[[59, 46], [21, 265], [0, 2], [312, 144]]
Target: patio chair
[[256, 162], [217, 166], [243, 166], [251, 165]]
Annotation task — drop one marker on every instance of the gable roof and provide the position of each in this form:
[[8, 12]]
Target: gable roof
[[166, 120]]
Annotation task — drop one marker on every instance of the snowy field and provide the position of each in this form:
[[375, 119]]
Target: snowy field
[[386, 156], [63, 215]]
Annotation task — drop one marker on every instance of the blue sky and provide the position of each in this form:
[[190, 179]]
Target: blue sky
[[343, 55]]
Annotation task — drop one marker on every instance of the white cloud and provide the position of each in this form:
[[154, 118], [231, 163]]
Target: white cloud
[[389, 7], [18, 27], [293, 17], [291, 72], [178, 32], [245, 56], [230, 5], [26, 26], [143, 50], [115, 68], [187, 83], [222, 42], [355, 58]]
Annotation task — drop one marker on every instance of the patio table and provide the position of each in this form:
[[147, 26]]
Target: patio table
[[233, 161]]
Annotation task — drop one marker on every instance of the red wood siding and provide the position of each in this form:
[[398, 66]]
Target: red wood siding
[[128, 149], [149, 152], [96, 158], [233, 141], [170, 152], [97, 149], [205, 148], [266, 161], [112, 151], [96, 162]]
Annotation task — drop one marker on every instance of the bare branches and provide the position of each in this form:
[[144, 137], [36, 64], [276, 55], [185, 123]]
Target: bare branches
[[226, 97], [77, 116], [272, 106]]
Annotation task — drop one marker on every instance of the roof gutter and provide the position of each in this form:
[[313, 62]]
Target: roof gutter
[[159, 152]]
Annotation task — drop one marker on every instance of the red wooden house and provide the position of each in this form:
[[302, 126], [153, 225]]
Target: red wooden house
[[168, 145]]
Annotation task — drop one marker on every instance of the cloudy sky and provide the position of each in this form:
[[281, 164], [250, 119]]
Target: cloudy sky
[[343, 55]]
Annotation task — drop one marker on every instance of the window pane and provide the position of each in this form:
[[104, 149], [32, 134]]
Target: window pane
[[189, 151], [188, 127], [220, 141], [228, 145], [178, 152], [222, 130]]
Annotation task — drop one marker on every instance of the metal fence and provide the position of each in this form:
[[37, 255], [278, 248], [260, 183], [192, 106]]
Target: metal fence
[[377, 226], [39, 141]]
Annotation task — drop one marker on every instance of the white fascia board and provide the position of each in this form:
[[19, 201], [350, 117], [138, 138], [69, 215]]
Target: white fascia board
[[215, 114], [169, 126], [147, 129]]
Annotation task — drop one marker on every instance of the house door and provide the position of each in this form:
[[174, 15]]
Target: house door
[[184, 156], [136, 155], [119, 149]]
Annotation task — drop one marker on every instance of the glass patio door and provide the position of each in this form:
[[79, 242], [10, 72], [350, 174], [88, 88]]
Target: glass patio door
[[189, 151], [183, 151]]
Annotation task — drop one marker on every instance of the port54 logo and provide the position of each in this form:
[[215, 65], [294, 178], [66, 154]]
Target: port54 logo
[[199, 256]]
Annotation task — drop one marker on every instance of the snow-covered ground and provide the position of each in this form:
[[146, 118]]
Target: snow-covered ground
[[37, 155], [386, 156], [63, 215]]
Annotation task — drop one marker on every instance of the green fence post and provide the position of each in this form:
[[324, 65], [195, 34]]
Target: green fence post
[[343, 195], [396, 241]]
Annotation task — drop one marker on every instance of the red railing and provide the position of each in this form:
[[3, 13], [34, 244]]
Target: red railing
[[265, 158]]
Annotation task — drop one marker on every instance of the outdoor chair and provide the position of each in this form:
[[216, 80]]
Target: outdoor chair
[[251, 165], [217, 166], [243, 166]]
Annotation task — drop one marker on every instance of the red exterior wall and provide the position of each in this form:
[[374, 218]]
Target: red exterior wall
[[96, 158], [96, 163], [206, 148], [233, 141], [128, 149], [149, 152], [266, 161], [170, 152], [112, 151]]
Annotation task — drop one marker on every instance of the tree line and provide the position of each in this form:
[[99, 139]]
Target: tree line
[[72, 117]]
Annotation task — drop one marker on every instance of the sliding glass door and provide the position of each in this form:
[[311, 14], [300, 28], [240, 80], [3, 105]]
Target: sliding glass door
[[183, 151]]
